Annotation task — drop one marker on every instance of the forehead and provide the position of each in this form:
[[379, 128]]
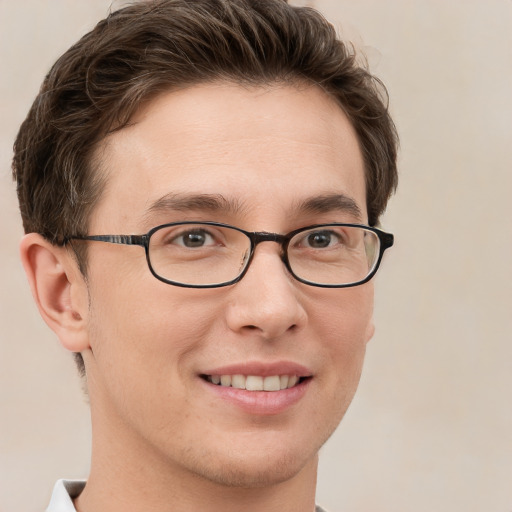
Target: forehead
[[265, 149]]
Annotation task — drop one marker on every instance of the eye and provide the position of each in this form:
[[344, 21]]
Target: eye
[[320, 239], [193, 238]]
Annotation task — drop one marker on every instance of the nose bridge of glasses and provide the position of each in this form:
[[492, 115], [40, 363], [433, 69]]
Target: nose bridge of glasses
[[264, 236]]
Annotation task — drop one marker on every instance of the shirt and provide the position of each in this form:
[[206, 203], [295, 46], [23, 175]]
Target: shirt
[[65, 490], [63, 494]]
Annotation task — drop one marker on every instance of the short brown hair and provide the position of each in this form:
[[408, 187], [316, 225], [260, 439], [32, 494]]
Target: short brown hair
[[157, 45], [152, 46]]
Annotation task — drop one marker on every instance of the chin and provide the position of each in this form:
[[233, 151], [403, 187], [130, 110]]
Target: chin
[[254, 461], [252, 474]]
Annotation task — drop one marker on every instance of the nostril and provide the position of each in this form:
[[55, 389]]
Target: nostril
[[251, 327]]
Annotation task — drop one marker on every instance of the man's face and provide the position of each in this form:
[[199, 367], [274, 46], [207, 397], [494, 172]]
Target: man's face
[[261, 154]]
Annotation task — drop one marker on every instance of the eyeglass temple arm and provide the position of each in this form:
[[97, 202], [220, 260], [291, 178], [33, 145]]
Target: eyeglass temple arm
[[115, 239]]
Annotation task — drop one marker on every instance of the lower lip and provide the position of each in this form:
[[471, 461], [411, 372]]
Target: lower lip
[[260, 402]]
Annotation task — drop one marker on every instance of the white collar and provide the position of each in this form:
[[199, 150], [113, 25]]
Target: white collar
[[63, 494]]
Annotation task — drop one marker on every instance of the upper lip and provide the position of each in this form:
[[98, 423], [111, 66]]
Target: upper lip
[[260, 368]]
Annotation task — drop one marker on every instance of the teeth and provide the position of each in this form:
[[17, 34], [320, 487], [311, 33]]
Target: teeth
[[238, 381], [272, 383], [225, 380], [255, 382]]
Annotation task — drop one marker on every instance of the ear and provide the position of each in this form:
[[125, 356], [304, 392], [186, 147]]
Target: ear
[[59, 289]]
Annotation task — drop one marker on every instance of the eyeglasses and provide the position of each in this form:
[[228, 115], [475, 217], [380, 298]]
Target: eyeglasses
[[211, 254]]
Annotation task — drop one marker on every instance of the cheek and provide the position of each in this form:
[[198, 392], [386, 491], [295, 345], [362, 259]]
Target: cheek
[[344, 327], [145, 336], [147, 323], [346, 321], [143, 348]]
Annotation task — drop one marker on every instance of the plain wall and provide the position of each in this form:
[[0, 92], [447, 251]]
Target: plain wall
[[431, 425]]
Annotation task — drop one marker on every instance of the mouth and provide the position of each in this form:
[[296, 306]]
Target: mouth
[[270, 383], [258, 388]]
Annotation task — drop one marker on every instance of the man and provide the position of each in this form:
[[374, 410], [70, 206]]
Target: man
[[200, 183]]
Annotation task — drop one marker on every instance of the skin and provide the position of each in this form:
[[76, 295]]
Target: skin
[[158, 432]]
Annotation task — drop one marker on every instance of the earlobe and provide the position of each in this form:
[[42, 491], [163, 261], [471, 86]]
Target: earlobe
[[58, 288]]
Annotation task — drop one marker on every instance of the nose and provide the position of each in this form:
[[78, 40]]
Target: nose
[[267, 300]]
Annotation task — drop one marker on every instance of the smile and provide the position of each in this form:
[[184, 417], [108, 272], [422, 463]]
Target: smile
[[258, 388], [255, 382]]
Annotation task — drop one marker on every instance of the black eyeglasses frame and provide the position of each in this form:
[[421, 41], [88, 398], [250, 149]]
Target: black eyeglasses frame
[[255, 237]]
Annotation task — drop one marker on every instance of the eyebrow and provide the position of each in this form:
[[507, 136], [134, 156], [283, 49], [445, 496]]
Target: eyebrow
[[215, 203], [199, 202], [327, 203]]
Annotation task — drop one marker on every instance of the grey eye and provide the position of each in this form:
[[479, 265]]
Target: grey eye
[[321, 239], [193, 239]]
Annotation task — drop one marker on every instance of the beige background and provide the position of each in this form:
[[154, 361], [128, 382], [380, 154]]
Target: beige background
[[431, 426]]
